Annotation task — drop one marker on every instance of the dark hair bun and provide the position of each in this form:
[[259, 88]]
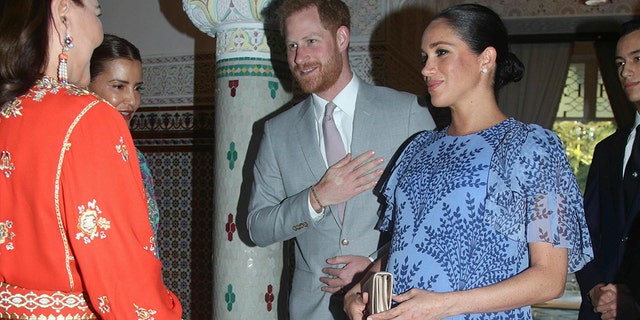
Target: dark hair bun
[[511, 70]]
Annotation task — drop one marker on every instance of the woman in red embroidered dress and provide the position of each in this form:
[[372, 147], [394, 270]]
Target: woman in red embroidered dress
[[75, 240]]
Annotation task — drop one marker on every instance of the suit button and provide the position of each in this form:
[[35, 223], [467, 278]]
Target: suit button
[[345, 242]]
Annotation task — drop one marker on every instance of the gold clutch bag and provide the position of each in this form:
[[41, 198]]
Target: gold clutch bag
[[379, 286]]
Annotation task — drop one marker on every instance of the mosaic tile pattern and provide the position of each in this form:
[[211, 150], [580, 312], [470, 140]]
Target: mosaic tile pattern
[[184, 187], [178, 145], [244, 70]]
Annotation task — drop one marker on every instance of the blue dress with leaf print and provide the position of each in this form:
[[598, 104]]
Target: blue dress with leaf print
[[463, 208]]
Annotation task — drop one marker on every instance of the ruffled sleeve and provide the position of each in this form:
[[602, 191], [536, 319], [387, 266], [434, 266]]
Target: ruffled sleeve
[[533, 195]]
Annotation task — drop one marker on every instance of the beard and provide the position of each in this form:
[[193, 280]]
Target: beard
[[328, 74]]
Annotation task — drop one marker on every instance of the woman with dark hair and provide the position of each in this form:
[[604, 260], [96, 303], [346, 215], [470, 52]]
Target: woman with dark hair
[[486, 215], [116, 76], [75, 242]]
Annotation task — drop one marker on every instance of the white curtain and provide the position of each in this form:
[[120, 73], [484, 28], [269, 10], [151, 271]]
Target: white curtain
[[535, 98]]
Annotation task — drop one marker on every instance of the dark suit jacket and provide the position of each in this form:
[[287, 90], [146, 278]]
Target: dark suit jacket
[[629, 273], [609, 224]]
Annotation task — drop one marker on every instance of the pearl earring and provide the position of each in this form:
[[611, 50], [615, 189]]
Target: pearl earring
[[484, 70]]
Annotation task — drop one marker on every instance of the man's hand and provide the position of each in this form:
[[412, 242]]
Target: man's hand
[[594, 295], [603, 298], [348, 178], [615, 301], [341, 277]]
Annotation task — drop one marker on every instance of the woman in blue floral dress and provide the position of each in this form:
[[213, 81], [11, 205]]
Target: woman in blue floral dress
[[486, 215]]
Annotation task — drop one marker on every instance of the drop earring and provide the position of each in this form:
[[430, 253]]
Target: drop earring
[[64, 57]]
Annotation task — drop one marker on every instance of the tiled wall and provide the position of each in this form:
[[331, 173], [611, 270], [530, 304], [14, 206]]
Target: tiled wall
[[174, 129]]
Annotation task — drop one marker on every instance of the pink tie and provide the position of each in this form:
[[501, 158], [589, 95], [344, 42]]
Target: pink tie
[[333, 146]]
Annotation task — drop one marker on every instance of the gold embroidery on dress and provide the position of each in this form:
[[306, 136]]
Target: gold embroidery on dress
[[61, 226], [103, 304], [6, 166], [12, 108], [37, 92], [41, 304], [145, 314], [43, 86], [89, 224], [6, 234], [12, 316], [122, 149], [46, 85], [152, 245]]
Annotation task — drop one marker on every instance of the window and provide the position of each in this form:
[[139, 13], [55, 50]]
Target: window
[[584, 115]]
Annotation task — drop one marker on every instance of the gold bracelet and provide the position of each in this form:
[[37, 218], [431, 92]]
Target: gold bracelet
[[315, 196]]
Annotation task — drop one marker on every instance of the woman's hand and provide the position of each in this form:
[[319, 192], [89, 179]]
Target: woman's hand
[[418, 304], [355, 303]]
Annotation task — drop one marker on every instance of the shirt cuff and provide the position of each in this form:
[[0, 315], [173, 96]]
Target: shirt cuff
[[315, 216]]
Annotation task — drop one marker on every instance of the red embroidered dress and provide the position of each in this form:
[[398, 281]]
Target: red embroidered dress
[[75, 239]]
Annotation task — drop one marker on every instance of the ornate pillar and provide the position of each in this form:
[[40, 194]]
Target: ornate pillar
[[246, 278]]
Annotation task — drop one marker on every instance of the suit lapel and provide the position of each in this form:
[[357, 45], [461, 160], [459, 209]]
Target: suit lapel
[[617, 168], [363, 136], [627, 217], [308, 141], [364, 126]]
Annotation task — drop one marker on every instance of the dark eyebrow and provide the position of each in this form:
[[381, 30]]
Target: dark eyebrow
[[634, 52], [437, 43], [126, 82]]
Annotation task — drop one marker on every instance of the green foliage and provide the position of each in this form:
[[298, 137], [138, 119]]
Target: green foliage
[[579, 140]]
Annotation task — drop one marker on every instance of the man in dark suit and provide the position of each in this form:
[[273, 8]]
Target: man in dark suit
[[628, 302], [612, 203], [299, 192]]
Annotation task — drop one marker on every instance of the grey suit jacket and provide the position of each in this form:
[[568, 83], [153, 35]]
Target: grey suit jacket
[[289, 162]]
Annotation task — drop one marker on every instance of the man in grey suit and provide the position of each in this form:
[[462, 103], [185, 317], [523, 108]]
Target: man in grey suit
[[298, 192]]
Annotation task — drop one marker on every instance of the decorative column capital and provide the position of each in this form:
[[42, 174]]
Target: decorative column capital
[[240, 26], [207, 15]]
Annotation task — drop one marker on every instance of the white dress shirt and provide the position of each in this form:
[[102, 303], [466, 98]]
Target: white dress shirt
[[629, 146], [345, 103]]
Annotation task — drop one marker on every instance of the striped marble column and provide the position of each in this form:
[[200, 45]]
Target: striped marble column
[[246, 278]]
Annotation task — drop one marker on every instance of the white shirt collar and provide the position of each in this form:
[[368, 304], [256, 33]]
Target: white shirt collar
[[345, 100]]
